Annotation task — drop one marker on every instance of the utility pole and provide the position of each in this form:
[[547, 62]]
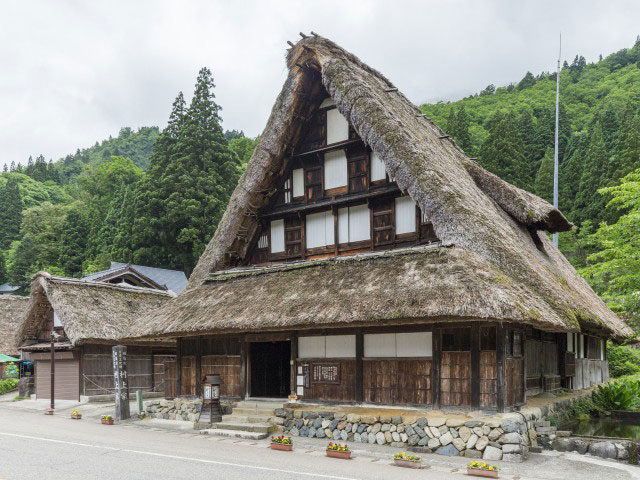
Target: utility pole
[[555, 152], [53, 370]]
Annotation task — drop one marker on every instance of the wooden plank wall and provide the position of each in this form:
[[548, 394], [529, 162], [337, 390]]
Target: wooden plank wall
[[227, 366], [159, 371], [455, 379], [488, 379], [343, 391], [514, 376], [590, 372], [97, 369], [397, 381], [188, 369], [170, 379]]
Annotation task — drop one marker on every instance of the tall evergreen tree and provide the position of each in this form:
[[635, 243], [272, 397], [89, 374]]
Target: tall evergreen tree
[[463, 136], [3, 270], [544, 177], [502, 152], [10, 212], [73, 243], [589, 204]]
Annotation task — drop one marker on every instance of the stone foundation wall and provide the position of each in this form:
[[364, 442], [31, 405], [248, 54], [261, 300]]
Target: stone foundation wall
[[614, 449], [507, 439], [178, 409]]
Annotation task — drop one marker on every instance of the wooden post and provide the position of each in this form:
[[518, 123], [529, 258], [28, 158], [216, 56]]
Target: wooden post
[[52, 371], [435, 373], [198, 366], [121, 382], [475, 365], [500, 333], [243, 368], [179, 367], [294, 357], [359, 366]]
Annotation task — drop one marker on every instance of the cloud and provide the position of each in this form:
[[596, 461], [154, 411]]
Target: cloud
[[75, 72]]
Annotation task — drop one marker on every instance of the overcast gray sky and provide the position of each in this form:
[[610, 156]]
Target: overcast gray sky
[[74, 72]]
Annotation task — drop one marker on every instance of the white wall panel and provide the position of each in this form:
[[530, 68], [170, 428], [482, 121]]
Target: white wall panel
[[337, 127], [378, 170], [415, 344], [380, 345], [298, 182], [319, 229], [340, 346], [311, 347], [343, 225], [335, 169], [277, 236], [569, 342], [405, 215], [359, 223]]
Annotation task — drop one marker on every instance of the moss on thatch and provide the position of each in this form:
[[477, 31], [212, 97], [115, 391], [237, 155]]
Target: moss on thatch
[[486, 219], [89, 311], [12, 311]]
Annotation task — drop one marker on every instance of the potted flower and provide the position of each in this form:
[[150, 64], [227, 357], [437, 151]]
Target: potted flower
[[336, 450], [281, 442], [49, 411], [76, 415], [482, 469], [106, 420], [293, 398], [407, 461]]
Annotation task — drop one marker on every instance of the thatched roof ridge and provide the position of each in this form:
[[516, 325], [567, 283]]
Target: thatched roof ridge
[[469, 207], [89, 311], [12, 311]]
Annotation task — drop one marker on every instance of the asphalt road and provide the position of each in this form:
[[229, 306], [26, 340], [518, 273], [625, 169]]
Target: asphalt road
[[33, 445]]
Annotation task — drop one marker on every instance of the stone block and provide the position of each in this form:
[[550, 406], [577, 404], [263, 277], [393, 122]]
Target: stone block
[[414, 439], [443, 429], [408, 429], [280, 412], [512, 437], [396, 420], [297, 414], [482, 443], [471, 453], [395, 436], [368, 419], [400, 428], [422, 422], [398, 444], [511, 448], [446, 438], [380, 440], [448, 450], [404, 437], [386, 427], [385, 419], [603, 450], [465, 432], [435, 432], [310, 415], [623, 452], [294, 432], [371, 438], [335, 434], [510, 425], [311, 432], [472, 440], [494, 435], [356, 437], [453, 432], [326, 423], [492, 453], [454, 422], [423, 441], [433, 443], [473, 423], [353, 418], [459, 444], [387, 437], [421, 433], [436, 422]]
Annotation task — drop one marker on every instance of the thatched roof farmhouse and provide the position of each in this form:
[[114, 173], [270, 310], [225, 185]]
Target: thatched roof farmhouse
[[358, 217], [12, 310]]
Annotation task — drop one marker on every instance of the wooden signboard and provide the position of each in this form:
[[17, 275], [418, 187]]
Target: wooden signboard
[[325, 372], [121, 382]]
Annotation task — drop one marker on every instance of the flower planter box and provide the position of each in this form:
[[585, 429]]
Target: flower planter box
[[337, 454], [107, 421], [77, 417], [399, 462], [281, 446], [478, 472], [49, 411]]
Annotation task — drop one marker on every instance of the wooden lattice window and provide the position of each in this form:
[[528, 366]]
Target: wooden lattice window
[[383, 222]]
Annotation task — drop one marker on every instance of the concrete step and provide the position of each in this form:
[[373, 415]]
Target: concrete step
[[260, 404], [265, 412], [221, 432], [545, 430], [246, 418], [245, 426]]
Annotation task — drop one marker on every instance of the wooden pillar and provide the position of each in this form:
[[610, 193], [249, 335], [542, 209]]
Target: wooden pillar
[[294, 358], [500, 393], [359, 366], [179, 367], [475, 365], [198, 352], [245, 368], [435, 373]]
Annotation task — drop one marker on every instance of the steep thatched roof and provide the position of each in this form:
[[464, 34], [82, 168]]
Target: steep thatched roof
[[491, 223], [89, 311], [12, 311]]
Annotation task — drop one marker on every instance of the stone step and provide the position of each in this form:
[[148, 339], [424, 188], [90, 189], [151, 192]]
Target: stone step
[[252, 411], [221, 432], [259, 405], [246, 418], [542, 423], [545, 430], [246, 426]]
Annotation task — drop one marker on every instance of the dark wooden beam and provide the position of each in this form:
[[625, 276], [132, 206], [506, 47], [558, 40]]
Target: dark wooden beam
[[500, 387], [178, 367], [359, 366], [294, 355], [198, 353], [243, 367], [333, 146], [475, 366], [435, 367]]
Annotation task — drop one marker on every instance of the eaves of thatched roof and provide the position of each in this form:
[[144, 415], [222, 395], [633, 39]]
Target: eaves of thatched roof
[[489, 222], [89, 311], [12, 311]]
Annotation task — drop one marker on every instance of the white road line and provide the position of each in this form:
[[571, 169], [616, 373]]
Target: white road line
[[176, 457]]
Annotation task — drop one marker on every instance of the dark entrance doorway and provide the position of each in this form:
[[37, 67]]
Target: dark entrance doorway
[[270, 370]]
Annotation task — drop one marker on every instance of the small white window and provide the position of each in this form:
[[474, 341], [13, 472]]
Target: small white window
[[569, 342], [277, 236], [311, 347], [380, 345], [337, 127], [263, 241], [298, 182], [335, 169], [56, 320], [354, 224], [319, 231], [331, 346], [378, 170], [416, 344], [405, 215]]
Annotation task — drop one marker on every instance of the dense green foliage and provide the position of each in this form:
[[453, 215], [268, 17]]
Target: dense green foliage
[[619, 394], [145, 196], [7, 385], [581, 408], [623, 360]]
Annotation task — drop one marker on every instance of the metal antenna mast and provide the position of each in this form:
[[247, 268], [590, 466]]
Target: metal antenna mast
[[555, 152]]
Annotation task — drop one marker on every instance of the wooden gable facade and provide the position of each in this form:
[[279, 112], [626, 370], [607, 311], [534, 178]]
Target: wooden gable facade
[[335, 198]]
